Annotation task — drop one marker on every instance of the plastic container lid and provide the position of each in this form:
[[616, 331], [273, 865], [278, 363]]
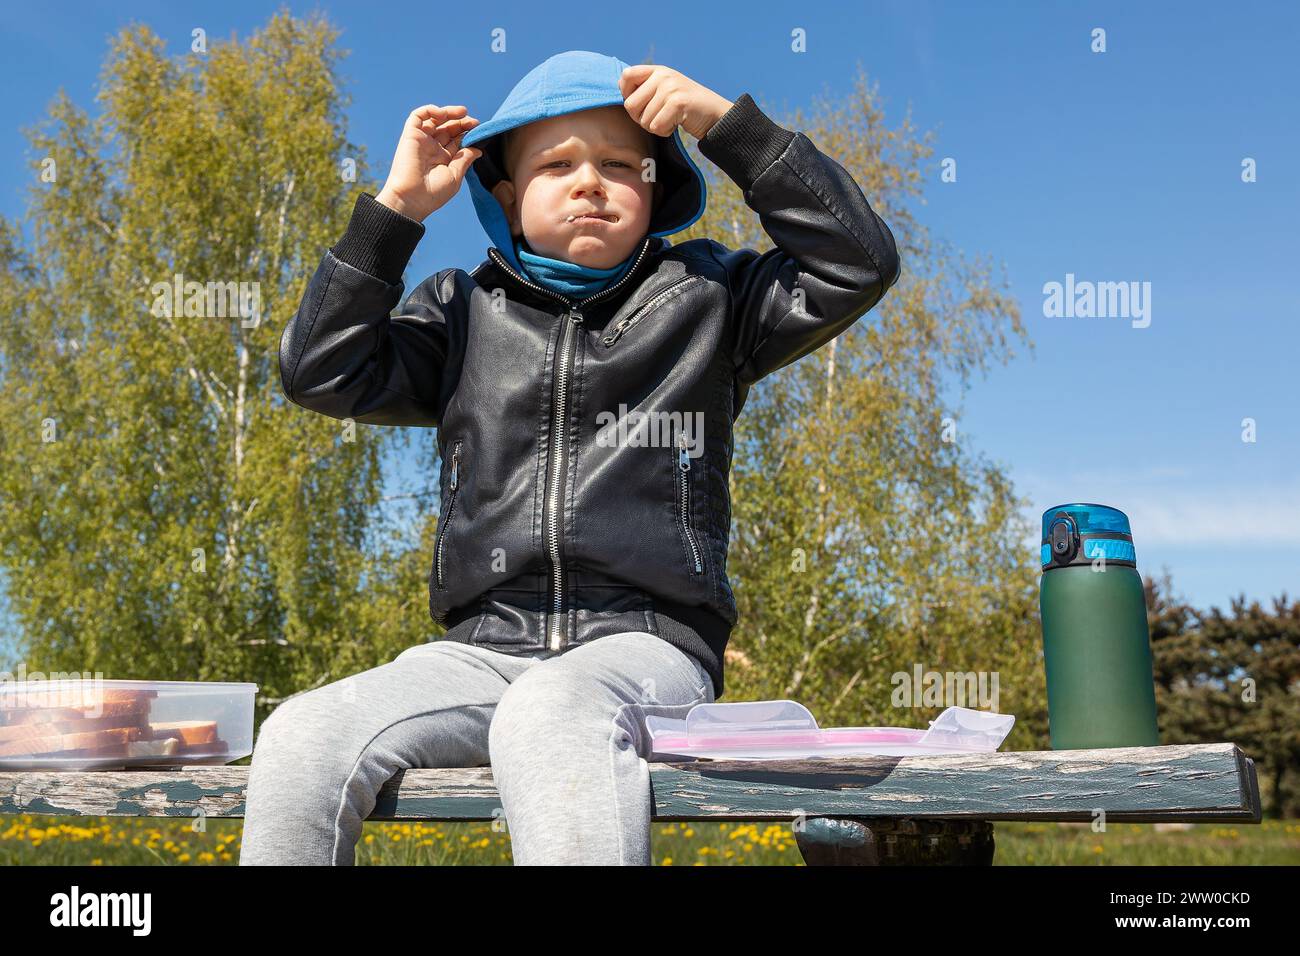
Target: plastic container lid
[[785, 729]]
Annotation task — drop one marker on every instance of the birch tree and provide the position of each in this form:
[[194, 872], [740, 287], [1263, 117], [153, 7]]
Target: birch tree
[[165, 512]]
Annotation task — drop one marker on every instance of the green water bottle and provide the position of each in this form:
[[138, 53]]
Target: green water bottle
[[1096, 646]]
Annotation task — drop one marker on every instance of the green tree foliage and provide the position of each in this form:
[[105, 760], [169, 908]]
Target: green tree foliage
[[1231, 677], [165, 513]]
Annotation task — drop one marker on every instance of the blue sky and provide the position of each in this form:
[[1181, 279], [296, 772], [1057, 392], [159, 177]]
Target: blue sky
[[1123, 166]]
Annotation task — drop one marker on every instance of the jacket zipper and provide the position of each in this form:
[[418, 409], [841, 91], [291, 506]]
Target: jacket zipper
[[640, 313], [683, 479], [557, 465], [451, 503]]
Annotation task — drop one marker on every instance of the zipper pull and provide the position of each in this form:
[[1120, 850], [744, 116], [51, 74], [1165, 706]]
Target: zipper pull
[[455, 467], [575, 317], [618, 330], [683, 460]]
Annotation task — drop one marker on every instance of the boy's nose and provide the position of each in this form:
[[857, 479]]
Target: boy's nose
[[588, 179]]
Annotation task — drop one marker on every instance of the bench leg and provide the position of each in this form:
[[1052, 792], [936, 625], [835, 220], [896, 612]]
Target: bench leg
[[829, 841]]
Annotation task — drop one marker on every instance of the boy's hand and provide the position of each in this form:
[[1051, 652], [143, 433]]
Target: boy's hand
[[660, 99], [430, 163]]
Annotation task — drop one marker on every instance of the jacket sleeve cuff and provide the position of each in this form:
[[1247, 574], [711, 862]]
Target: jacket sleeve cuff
[[744, 142], [379, 240]]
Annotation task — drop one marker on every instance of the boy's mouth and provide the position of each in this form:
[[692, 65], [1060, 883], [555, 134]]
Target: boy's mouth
[[593, 217]]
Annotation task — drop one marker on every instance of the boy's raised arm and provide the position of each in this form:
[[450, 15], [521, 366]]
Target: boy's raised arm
[[834, 257], [343, 354]]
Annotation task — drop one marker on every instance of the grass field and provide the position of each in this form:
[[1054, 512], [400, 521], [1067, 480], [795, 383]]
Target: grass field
[[27, 840]]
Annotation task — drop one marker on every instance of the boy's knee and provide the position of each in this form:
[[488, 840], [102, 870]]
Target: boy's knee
[[273, 727], [289, 721], [548, 709], [523, 707]]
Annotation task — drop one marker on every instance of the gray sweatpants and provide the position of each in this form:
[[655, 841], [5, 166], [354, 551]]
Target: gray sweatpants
[[563, 732]]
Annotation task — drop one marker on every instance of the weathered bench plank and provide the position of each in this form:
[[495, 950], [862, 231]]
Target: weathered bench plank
[[1189, 782]]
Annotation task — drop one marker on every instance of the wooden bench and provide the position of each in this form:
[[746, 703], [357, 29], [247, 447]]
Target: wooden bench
[[844, 810]]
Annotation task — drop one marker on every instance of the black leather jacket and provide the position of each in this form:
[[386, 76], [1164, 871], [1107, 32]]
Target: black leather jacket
[[555, 528]]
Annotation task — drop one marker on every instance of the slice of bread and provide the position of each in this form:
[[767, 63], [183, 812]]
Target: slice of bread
[[95, 741], [188, 732], [214, 747], [153, 748], [64, 710], [31, 731], [33, 695], [135, 748]]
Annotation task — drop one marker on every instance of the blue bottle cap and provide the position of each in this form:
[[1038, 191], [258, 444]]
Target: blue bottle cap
[[1081, 532]]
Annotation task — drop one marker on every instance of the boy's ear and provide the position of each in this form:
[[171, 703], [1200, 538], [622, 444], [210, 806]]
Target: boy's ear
[[504, 193]]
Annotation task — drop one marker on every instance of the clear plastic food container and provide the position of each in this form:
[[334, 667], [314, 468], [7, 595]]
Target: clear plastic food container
[[786, 729], [107, 724]]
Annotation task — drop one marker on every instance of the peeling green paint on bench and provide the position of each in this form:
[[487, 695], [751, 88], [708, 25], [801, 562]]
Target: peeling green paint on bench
[[212, 791], [1204, 781], [431, 795]]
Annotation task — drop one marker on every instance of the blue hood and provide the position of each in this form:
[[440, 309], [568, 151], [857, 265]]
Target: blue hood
[[568, 83]]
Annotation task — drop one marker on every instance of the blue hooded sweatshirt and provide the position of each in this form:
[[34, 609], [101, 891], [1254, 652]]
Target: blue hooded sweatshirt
[[568, 83]]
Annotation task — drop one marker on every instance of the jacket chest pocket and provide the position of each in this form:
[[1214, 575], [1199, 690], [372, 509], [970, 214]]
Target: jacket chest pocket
[[621, 327], [453, 485], [682, 493]]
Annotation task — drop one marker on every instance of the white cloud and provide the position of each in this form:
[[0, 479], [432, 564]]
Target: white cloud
[[1239, 515]]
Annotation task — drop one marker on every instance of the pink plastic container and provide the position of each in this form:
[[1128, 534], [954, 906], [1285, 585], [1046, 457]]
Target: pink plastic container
[[785, 729]]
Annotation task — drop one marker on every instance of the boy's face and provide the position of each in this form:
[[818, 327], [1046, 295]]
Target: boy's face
[[582, 162]]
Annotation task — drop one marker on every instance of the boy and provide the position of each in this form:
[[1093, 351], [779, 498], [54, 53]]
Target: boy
[[584, 380]]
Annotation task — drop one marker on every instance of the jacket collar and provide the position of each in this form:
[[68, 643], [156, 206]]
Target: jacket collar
[[497, 267]]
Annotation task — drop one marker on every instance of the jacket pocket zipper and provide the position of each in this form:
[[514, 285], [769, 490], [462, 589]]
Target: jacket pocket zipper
[[624, 324], [683, 470], [451, 503]]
